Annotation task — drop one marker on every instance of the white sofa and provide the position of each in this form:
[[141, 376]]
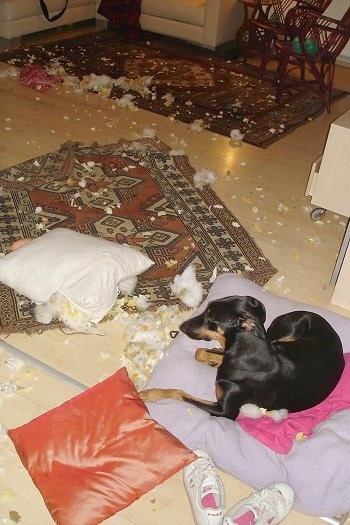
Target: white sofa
[[205, 22], [22, 17]]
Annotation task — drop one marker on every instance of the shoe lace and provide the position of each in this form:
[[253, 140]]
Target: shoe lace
[[209, 477], [205, 469], [265, 500]]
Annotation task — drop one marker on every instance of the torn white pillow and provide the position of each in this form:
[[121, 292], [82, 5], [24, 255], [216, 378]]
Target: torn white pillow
[[87, 270]]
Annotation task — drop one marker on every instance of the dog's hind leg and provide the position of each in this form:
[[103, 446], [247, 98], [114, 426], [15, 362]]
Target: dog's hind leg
[[156, 394]]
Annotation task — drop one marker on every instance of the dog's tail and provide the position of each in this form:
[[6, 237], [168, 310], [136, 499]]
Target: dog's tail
[[213, 408]]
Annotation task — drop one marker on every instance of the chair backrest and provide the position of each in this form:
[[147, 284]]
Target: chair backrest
[[316, 5], [277, 12], [330, 35]]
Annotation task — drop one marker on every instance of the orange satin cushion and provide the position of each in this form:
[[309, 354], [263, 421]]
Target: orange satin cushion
[[98, 452]]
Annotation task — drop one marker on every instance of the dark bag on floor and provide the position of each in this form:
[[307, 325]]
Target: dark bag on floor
[[46, 12]]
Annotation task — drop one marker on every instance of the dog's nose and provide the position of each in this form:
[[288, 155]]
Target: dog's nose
[[190, 328], [183, 325]]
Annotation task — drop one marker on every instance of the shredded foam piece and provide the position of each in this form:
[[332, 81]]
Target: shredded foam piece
[[140, 85], [186, 287], [168, 99], [203, 178], [148, 335], [255, 412], [197, 126], [126, 101], [59, 307], [7, 495], [236, 135], [18, 376], [149, 132], [9, 71]]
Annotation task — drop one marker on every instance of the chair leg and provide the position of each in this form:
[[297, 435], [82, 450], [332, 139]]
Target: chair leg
[[324, 78], [330, 78], [251, 42], [301, 63], [259, 36], [248, 47], [266, 53], [280, 75]]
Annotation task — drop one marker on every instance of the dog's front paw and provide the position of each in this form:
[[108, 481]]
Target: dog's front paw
[[211, 357]]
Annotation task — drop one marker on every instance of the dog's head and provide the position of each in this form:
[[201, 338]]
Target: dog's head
[[226, 316]]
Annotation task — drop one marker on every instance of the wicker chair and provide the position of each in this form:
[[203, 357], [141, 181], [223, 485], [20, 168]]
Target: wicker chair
[[269, 26], [315, 42]]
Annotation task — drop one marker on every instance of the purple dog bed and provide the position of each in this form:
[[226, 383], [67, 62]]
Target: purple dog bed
[[318, 468]]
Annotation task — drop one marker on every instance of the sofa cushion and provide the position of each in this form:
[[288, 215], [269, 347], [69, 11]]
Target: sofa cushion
[[317, 467], [18, 9], [187, 11]]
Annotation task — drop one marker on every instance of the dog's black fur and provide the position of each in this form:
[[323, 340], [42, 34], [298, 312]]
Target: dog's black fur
[[294, 365]]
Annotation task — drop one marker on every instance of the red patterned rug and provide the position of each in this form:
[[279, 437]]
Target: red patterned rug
[[130, 192], [188, 83]]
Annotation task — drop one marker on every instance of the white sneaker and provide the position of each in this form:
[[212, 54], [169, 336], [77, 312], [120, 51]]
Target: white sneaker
[[204, 490], [267, 507]]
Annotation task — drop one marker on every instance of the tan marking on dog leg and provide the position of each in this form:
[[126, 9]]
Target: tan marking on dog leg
[[203, 355], [155, 394], [219, 392], [285, 339]]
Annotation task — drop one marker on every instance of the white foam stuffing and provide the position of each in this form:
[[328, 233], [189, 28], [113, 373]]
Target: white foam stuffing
[[148, 335], [186, 287], [203, 178]]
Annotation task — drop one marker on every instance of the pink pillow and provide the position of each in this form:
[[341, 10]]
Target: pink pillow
[[98, 452]]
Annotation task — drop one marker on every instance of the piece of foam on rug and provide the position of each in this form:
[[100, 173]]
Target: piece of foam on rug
[[98, 452], [317, 467]]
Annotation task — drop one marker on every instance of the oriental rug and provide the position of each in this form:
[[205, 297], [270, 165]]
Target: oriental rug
[[181, 81], [139, 193]]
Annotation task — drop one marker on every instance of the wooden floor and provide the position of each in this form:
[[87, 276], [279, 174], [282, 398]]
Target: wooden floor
[[265, 190]]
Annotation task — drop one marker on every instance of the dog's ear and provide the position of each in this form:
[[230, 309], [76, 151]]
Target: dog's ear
[[255, 307]]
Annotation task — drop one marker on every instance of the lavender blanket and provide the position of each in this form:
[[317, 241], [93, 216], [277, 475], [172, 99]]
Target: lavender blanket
[[317, 467]]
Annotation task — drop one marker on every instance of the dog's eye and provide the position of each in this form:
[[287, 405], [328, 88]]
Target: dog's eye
[[212, 325], [210, 321]]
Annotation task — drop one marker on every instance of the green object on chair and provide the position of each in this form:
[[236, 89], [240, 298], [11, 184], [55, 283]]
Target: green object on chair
[[310, 46]]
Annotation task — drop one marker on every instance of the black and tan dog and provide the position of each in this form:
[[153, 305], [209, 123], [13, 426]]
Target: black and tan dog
[[294, 365]]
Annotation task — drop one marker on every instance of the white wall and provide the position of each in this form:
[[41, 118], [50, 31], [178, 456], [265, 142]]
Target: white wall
[[336, 10]]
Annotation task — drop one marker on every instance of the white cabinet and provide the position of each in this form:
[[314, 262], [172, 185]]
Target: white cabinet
[[329, 183], [329, 187]]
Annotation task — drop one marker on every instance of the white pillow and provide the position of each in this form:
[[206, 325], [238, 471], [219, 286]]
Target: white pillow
[[83, 268]]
